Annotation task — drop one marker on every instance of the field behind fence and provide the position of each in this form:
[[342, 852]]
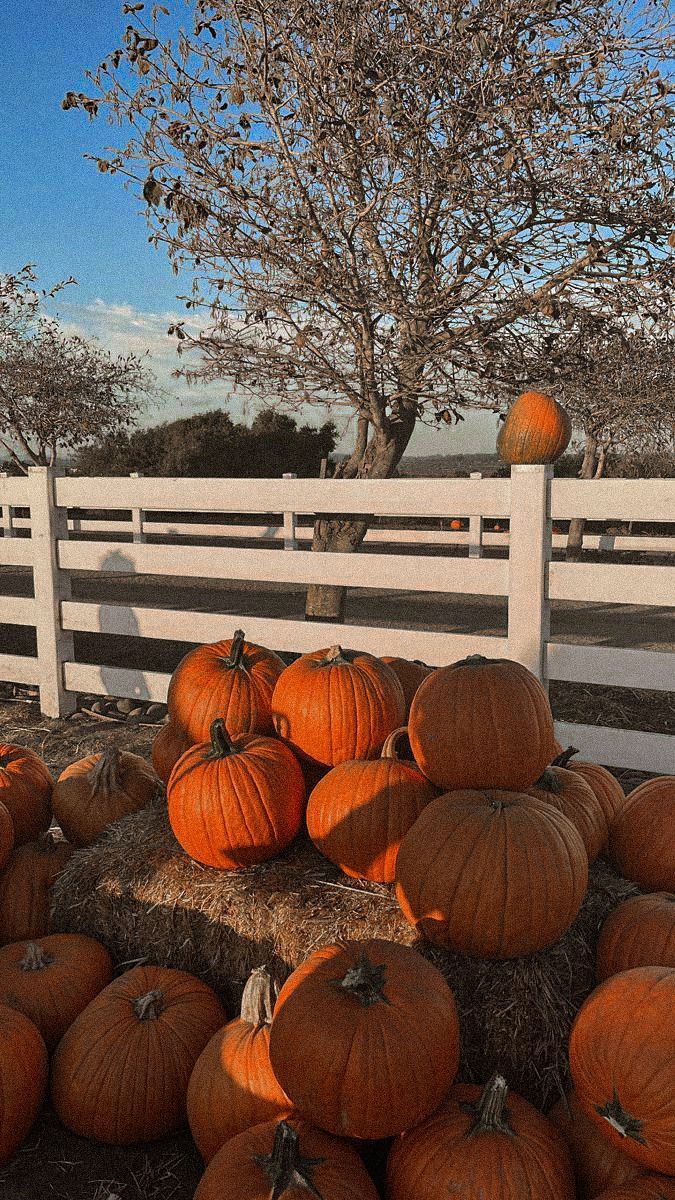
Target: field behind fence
[[257, 532]]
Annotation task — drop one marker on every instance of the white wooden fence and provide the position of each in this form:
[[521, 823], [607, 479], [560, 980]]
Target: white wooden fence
[[60, 542]]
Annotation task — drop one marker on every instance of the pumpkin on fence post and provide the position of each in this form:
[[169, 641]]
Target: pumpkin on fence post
[[536, 430]]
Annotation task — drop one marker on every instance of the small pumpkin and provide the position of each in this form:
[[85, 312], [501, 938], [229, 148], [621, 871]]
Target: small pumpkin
[[167, 748], [234, 802], [23, 1078], [102, 788], [455, 524], [537, 430], [233, 679], [52, 979], [481, 723], [365, 1038], [233, 1086], [25, 790], [602, 783], [288, 1160], [136, 1045], [410, 673], [335, 705], [642, 835], [597, 1164], [639, 933], [622, 1051], [481, 1143], [358, 814], [26, 885], [571, 795], [6, 835]]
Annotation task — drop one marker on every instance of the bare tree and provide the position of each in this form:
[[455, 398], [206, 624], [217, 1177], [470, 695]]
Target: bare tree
[[369, 191], [57, 390]]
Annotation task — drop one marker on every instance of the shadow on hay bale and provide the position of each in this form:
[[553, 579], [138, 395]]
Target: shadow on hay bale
[[139, 894]]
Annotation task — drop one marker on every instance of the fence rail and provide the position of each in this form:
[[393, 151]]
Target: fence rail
[[56, 541]]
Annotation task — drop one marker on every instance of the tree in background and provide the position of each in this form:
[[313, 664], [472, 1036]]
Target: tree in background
[[369, 191], [57, 390]]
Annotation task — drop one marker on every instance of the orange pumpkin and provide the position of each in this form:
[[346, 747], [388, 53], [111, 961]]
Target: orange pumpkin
[[25, 888], [646, 1187], [52, 979], [639, 933], [642, 835], [23, 1078], [481, 723], [601, 782], [537, 430], [358, 814], [233, 679], [167, 748], [102, 788], [233, 1085], [135, 1045], [571, 795], [455, 523], [410, 674], [6, 835], [335, 705], [25, 790], [365, 1038], [597, 1164]]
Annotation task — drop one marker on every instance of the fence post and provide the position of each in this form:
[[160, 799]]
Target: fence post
[[6, 519], [529, 556], [476, 527], [290, 540], [137, 515], [51, 585]]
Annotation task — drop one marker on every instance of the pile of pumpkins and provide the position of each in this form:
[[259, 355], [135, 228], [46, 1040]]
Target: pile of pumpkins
[[486, 833]]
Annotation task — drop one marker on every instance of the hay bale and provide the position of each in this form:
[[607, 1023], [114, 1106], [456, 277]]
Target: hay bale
[[139, 894]]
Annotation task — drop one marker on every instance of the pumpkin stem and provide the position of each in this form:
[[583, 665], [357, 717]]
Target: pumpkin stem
[[221, 745], [563, 759], [35, 958], [258, 999], [336, 656], [620, 1120], [473, 660], [491, 1112], [391, 746], [148, 1007], [284, 1167], [236, 656], [104, 774], [364, 981], [548, 781]]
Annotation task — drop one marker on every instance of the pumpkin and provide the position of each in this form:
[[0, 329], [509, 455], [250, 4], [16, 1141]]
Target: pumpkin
[[120, 1073], [236, 802], [26, 885], [455, 523], [646, 1187], [622, 1051], [102, 788], [285, 1161], [571, 795], [410, 674], [52, 979], [358, 814], [597, 1164], [233, 679], [167, 748], [481, 723], [492, 874], [536, 430], [233, 1085], [642, 835], [336, 705], [481, 1144], [602, 783], [25, 790], [6, 835], [23, 1078], [365, 1038], [639, 933]]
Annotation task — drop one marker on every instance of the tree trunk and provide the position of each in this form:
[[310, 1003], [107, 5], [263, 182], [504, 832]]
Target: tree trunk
[[575, 537]]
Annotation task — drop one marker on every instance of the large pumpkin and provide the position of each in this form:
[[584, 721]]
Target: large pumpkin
[[597, 1164], [365, 1038], [410, 673], [233, 679], [97, 790], [236, 801], [639, 933], [492, 874], [25, 790], [481, 723], [571, 795], [52, 979], [167, 748], [358, 814], [120, 1073], [642, 835], [481, 1143], [622, 1060], [6, 835], [285, 1161], [26, 887], [336, 705], [536, 430], [23, 1078], [233, 1085]]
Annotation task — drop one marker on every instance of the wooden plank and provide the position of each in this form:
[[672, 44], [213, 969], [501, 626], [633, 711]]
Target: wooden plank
[[116, 681], [614, 583], [654, 752], [486, 577], [15, 610], [16, 668], [611, 665], [51, 585], [529, 609], [404, 497], [618, 499], [16, 552], [435, 648], [15, 490]]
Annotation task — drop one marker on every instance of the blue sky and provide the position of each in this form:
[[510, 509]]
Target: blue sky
[[59, 212]]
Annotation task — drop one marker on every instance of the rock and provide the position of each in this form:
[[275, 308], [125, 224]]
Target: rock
[[126, 706], [155, 712]]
